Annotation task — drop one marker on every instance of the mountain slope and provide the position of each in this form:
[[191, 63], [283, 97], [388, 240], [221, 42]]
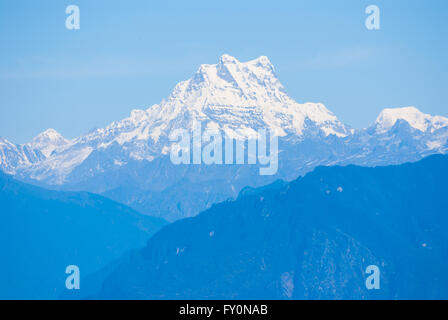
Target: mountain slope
[[309, 239], [234, 97], [129, 161], [15, 156], [42, 232], [48, 141]]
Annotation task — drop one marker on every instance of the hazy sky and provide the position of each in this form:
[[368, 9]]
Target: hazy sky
[[130, 54]]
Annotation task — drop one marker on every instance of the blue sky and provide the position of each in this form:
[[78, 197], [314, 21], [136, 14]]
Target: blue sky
[[130, 54]]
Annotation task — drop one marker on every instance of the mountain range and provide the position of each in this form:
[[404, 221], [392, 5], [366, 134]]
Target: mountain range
[[341, 200], [128, 161], [312, 238]]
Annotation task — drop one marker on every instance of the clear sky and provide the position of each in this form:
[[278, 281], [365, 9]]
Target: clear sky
[[130, 54]]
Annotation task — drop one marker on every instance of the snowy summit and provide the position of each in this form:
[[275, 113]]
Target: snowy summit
[[414, 117], [237, 98]]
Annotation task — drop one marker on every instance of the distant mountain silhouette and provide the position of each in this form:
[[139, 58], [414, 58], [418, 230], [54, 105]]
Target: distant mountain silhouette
[[42, 232], [312, 238]]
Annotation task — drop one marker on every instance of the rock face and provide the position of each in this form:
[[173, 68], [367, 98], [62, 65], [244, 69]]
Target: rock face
[[129, 160], [312, 238]]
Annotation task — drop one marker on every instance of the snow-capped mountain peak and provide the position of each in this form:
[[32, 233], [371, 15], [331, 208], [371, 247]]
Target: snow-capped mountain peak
[[48, 141], [414, 117], [48, 135], [249, 79], [242, 95], [226, 58], [235, 97]]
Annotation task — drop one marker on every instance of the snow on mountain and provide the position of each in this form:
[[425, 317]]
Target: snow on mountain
[[233, 96], [14, 156], [48, 141], [414, 117], [237, 98], [398, 135], [230, 95]]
